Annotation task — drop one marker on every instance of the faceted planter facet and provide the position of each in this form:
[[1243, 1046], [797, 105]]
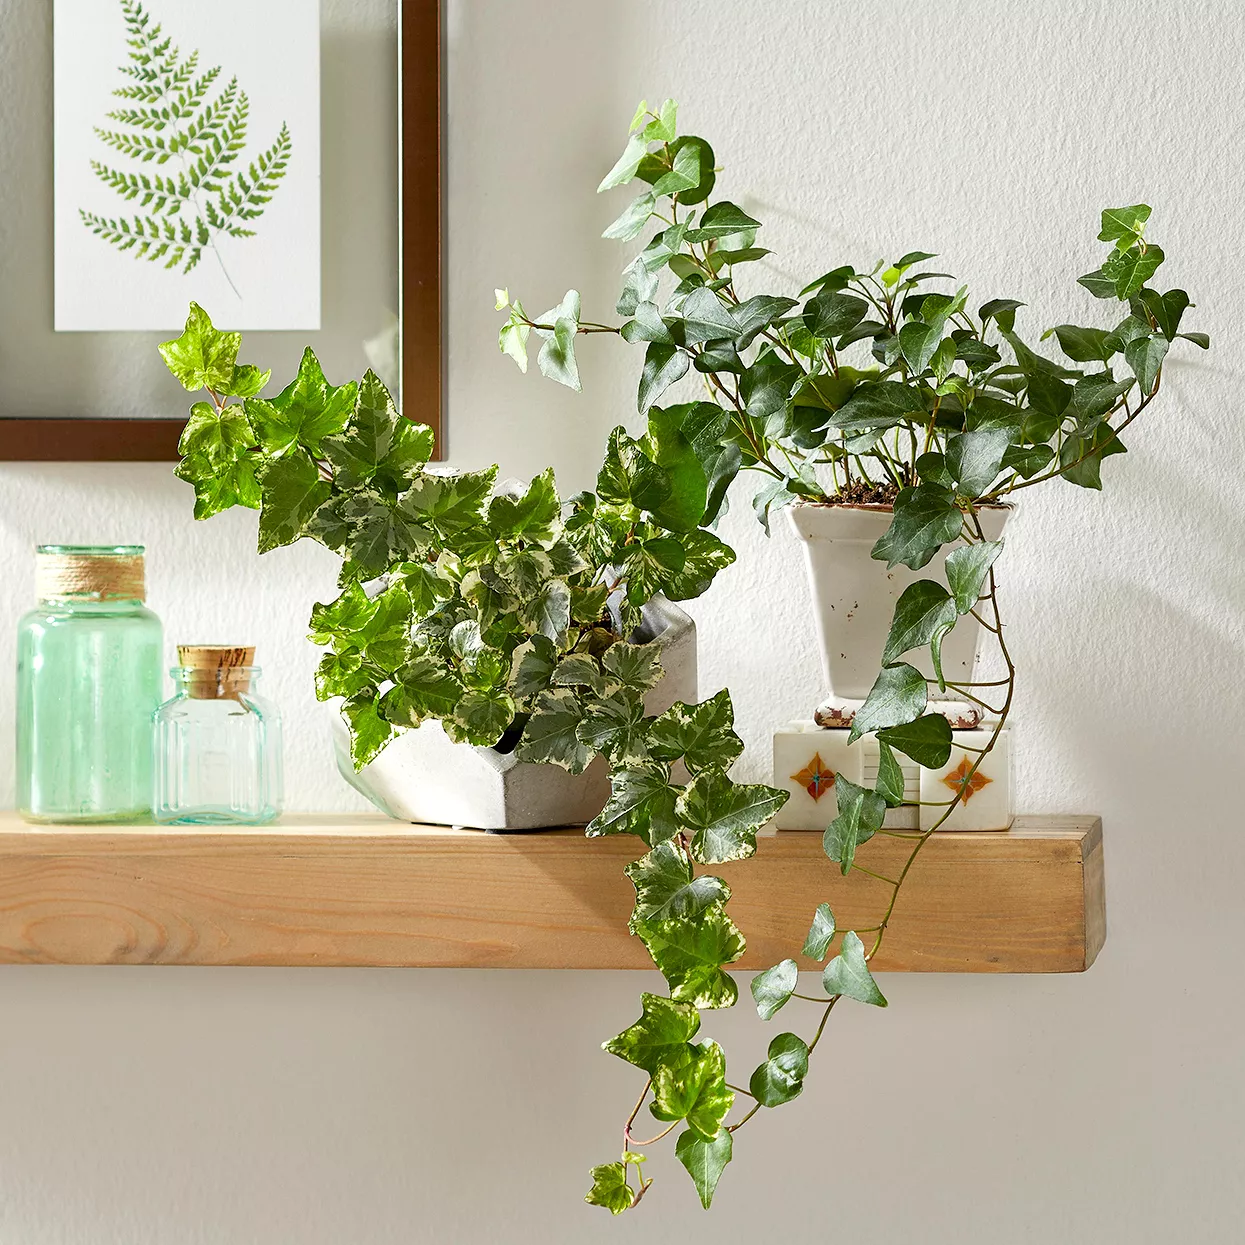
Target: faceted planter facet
[[422, 776]]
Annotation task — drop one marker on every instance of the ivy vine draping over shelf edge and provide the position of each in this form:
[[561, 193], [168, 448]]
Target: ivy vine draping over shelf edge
[[508, 615]]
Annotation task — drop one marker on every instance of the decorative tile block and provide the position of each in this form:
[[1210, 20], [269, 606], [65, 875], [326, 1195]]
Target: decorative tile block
[[808, 759], [988, 796]]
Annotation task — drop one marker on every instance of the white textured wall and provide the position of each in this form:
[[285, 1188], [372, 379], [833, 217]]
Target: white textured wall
[[231, 1107]]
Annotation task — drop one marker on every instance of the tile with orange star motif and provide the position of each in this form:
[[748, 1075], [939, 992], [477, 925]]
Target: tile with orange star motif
[[980, 784]]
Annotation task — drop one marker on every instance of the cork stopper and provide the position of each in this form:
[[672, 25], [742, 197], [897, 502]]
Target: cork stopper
[[216, 671], [91, 573]]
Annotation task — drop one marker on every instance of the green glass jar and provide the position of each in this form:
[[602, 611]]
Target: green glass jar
[[89, 660]]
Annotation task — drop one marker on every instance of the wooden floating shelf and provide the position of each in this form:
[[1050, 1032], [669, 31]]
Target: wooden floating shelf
[[364, 890]]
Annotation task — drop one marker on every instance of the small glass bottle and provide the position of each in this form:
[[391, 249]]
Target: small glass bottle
[[88, 681], [218, 744]]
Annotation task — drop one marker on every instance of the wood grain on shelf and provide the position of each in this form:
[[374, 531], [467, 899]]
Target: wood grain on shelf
[[363, 890]]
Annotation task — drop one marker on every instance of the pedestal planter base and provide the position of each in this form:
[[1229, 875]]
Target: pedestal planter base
[[808, 760], [425, 778]]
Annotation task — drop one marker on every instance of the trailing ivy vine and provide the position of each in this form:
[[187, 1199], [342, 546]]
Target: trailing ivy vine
[[511, 617]]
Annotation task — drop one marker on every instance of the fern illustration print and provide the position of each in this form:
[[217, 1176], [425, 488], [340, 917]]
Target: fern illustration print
[[184, 136]]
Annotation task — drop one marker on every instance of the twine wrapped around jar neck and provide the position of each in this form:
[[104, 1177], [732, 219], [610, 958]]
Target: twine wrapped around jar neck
[[215, 671], [105, 574]]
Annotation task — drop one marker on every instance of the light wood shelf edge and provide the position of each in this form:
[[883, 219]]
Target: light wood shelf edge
[[363, 890]]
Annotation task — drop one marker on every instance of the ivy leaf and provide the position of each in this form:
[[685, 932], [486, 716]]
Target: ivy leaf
[[624, 170], [1123, 224], [1098, 284], [1131, 269], [579, 670], [702, 735], [690, 952], [629, 477], [704, 1160], [343, 674], [614, 725], [550, 735], [684, 507], [349, 615], [925, 519], [694, 1090], [292, 493], [1081, 345], [304, 412], [530, 517], [386, 638], [480, 718], [772, 988], [890, 783], [721, 221], [548, 613], [874, 408], [660, 1035], [532, 665], [966, 571], [898, 695], [636, 667], [610, 1188], [1144, 355], [202, 357], [1167, 309], [922, 608], [512, 339], [376, 438], [663, 366], [218, 486], [633, 218], [1002, 311], [369, 732], [974, 458], [448, 504], [830, 313], [861, 813], [781, 1077], [1081, 455], [927, 740], [557, 356], [725, 816], [641, 803], [820, 933], [848, 974], [665, 885], [220, 436], [704, 555], [424, 688]]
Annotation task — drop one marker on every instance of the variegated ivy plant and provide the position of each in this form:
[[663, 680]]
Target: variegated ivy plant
[[509, 615]]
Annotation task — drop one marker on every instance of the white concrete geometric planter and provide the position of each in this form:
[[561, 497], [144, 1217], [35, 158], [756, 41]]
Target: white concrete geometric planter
[[854, 597], [422, 776]]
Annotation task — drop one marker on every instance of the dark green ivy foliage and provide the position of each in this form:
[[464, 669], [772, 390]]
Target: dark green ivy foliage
[[865, 378]]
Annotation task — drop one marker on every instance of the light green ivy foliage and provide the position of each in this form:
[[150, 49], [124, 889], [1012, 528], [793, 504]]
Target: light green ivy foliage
[[504, 615], [866, 380], [187, 143]]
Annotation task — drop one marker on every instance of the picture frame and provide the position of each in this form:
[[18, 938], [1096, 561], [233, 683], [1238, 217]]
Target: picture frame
[[420, 157]]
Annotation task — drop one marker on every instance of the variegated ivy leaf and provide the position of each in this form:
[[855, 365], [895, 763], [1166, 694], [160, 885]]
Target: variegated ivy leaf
[[531, 667], [292, 492], [636, 667], [704, 556], [526, 571], [694, 1091], [534, 517], [424, 689], [725, 816], [488, 593], [614, 725], [641, 803], [306, 411], [378, 534], [219, 436], [348, 615], [579, 670], [548, 613], [369, 732], [565, 559], [661, 1035], [448, 504], [203, 357], [610, 1188], [665, 886], [387, 635], [480, 718], [691, 953], [550, 734], [345, 674], [377, 443], [701, 734], [425, 585], [220, 486]]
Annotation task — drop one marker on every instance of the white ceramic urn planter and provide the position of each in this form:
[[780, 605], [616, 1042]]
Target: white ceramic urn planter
[[854, 598], [422, 776]]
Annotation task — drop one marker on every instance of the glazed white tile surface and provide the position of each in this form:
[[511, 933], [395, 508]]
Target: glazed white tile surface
[[989, 805], [801, 746]]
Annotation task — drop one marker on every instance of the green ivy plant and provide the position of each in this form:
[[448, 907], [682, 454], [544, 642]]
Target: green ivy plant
[[511, 616], [170, 114]]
